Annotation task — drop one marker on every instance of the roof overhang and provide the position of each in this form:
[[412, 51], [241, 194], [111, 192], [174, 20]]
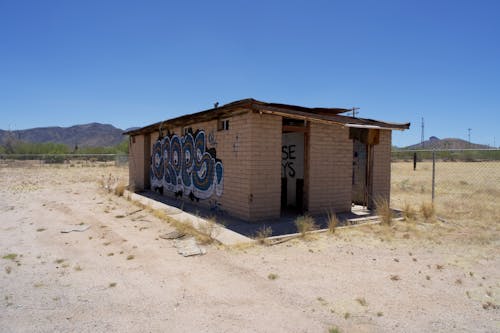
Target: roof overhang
[[373, 127], [334, 119], [320, 115]]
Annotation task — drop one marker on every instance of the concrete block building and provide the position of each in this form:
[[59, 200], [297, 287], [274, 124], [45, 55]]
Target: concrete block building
[[260, 160]]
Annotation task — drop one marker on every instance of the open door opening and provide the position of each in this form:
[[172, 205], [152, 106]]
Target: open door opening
[[292, 166], [359, 173], [362, 165]]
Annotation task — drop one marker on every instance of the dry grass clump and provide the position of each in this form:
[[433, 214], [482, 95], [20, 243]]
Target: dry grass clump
[[204, 234], [333, 222], [362, 301], [305, 224], [187, 228], [10, 256], [409, 213], [427, 210], [158, 213], [120, 189], [262, 234], [207, 232], [107, 182], [272, 276], [384, 211]]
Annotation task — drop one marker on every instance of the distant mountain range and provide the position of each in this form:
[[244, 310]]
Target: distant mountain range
[[448, 143], [87, 135], [105, 135]]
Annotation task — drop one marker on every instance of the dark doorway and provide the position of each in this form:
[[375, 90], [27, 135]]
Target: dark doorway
[[292, 166], [359, 193], [364, 140]]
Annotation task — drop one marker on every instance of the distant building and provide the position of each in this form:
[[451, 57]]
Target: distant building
[[260, 160]]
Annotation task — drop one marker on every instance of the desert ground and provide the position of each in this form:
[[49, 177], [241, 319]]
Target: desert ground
[[417, 275]]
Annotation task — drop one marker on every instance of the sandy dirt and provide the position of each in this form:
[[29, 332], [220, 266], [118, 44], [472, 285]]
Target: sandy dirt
[[119, 276]]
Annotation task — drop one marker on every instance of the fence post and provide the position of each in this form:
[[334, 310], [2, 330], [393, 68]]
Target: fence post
[[433, 173]]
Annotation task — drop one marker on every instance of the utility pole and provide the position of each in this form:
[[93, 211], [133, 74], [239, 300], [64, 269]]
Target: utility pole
[[355, 112], [469, 129], [422, 134]]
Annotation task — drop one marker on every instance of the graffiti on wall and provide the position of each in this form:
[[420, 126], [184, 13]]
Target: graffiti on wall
[[292, 163], [185, 165], [288, 157], [292, 155]]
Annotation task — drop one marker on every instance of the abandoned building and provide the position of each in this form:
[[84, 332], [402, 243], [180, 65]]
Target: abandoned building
[[259, 160]]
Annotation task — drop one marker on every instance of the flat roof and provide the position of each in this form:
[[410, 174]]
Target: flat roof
[[323, 115]]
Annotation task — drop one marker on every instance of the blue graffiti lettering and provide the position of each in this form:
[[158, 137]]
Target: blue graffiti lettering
[[185, 165]]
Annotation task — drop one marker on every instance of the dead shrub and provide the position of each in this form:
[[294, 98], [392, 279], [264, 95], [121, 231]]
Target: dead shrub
[[161, 215], [207, 231], [205, 234], [107, 183], [120, 189], [262, 234], [333, 222], [305, 224], [272, 276], [409, 213], [428, 211], [384, 211]]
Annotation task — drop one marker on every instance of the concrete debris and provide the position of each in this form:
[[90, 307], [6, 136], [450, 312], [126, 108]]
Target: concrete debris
[[78, 228], [188, 247]]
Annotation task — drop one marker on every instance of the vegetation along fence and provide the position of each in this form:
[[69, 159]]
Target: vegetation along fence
[[457, 181], [70, 159], [454, 180]]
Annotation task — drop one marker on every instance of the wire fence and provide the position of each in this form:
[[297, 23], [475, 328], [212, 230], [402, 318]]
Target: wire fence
[[68, 159], [455, 180]]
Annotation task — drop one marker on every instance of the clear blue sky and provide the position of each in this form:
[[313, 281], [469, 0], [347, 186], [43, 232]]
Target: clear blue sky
[[132, 63]]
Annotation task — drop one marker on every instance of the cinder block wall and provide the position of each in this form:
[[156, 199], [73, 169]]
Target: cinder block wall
[[330, 169], [153, 137], [264, 163], [250, 152], [139, 162], [233, 148], [382, 167]]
